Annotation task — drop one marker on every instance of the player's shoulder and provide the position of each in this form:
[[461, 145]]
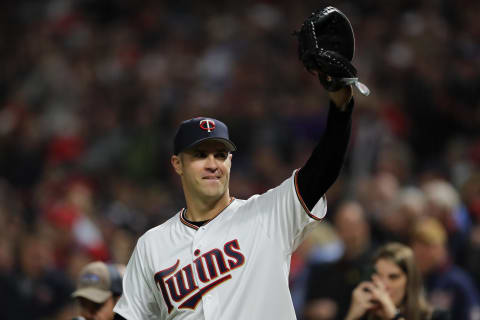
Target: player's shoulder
[[154, 232], [242, 204], [284, 187]]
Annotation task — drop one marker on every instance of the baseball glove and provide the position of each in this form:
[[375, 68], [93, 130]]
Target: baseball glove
[[326, 45]]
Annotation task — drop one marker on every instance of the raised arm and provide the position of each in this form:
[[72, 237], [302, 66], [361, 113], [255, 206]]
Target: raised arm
[[324, 165], [326, 46]]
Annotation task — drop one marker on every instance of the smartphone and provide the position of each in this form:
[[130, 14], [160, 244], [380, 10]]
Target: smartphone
[[368, 272]]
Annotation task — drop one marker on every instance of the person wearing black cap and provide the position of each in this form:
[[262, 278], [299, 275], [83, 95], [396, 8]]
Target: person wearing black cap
[[99, 287], [227, 258]]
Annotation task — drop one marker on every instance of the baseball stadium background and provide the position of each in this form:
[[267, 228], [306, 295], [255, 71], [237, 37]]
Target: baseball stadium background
[[91, 93]]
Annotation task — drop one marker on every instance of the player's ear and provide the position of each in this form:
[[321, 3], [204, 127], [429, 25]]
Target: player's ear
[[176, 164]]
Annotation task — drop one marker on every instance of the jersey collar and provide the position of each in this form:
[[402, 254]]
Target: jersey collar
[[191, 225]]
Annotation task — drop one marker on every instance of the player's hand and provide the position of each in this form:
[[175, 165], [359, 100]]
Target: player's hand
[[341, 97], [362, 301]]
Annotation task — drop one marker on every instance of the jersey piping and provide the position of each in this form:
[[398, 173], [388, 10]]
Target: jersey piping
[[301, 199]]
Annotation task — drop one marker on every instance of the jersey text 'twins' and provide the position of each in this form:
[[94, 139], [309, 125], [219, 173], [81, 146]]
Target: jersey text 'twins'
[[212, 268]]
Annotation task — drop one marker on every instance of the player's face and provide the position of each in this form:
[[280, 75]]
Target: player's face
[[96, 311], [394, 279], [205, 170]]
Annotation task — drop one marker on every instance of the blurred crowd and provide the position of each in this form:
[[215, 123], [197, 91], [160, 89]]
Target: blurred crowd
[[91, 93]]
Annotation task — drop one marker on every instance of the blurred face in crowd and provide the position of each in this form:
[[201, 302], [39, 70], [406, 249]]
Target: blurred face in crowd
[[35, 255], [352, 227], [204, 170], [394, 279], [428, 256], [96, 311]]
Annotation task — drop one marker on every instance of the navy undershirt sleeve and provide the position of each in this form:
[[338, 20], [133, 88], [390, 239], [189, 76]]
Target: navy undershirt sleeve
[[324, 165]]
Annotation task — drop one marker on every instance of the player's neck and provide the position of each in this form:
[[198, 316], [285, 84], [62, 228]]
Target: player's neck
[[206, 208]]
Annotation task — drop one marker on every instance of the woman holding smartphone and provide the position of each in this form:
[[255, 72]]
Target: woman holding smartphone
[[395, 291]]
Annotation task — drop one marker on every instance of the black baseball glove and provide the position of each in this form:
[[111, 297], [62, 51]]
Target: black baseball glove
[[326, 44]]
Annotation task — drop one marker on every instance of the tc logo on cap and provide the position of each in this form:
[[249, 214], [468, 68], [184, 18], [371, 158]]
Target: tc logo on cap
[[207, 125]]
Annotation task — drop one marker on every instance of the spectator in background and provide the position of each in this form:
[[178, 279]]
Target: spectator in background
[[471, 198], [394, 291], [448, 286], [330, 284], [376, 194], [75, 223], [321, 245], [98, 289], [444, 204], [34, 289], [406, 207]]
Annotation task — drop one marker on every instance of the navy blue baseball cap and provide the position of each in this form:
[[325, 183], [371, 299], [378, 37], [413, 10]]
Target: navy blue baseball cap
[[193, 131]]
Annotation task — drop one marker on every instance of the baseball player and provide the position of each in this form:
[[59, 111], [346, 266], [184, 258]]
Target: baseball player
[[227, 258]]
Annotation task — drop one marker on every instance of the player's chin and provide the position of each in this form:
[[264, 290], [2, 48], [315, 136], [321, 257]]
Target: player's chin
[[213, 186], [213, 195]]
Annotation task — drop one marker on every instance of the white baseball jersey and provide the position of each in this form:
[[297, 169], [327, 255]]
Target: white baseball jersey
[[235, 267]]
